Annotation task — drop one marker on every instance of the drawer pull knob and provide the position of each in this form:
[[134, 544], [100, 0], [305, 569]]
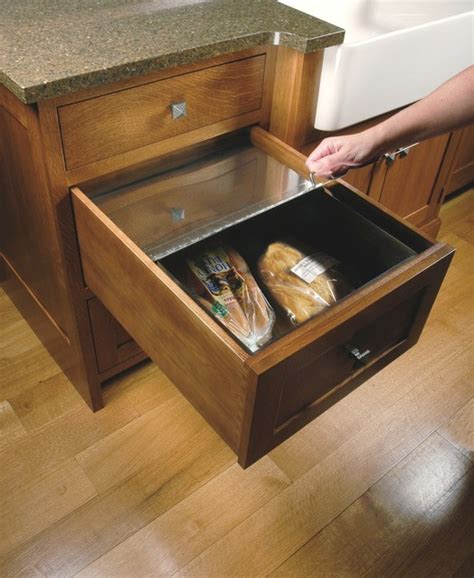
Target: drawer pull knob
[[177, 214], [362, 357], [178, 110]]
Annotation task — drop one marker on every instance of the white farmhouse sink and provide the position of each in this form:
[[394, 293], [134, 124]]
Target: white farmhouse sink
[[394, 52]]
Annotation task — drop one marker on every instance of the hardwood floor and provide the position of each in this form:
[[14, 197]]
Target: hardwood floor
[[379, 485]]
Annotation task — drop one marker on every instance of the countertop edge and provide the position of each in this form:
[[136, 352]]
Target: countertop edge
[[63, 86]]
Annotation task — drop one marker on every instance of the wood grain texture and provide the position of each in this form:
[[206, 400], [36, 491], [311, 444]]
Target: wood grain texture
[[374, 489], [461, 169], [28, 235], [194, 524], [11, 427], [42, 503], [162, 318], [105, 126], [295, 95], [415, 174], [113, 345], [83, 368], [374, 526], [459, 430]]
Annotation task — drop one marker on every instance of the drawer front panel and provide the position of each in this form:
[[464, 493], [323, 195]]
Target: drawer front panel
[[108, 125], [314, 379]]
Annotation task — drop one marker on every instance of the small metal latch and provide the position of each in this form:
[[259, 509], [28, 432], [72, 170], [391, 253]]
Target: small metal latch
[[361, 357], [400, 153], [178, 110]]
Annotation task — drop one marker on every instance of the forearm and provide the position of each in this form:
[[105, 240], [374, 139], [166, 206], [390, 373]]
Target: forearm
[[448, 108]]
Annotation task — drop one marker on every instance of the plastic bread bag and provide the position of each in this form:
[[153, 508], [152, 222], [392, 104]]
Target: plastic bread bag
[[301, 282], [222, 282]]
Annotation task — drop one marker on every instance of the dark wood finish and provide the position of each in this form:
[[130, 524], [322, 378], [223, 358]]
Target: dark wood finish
[[32, 247], [252, 400], [360, 178], [290, 393], [86, 379], [28, 234], [461, 170], [108, 125], [295, 95], [156, 150], [196, 354], [113, 345], [409, 184]]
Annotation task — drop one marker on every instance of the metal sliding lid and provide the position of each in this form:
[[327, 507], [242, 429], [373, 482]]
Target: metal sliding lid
[[175, 209]]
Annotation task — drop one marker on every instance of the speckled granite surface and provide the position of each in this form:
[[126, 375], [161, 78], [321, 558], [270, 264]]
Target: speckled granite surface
[[54, 47]]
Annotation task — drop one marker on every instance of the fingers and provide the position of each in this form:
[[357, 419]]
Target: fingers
[[332, 166]]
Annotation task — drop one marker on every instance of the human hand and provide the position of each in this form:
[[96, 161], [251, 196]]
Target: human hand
[[334, 156]]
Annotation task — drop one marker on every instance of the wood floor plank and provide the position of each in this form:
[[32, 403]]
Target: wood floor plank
[[459, 430], [46, 401], [440, 544], [157, 433], [47, 448], [276, 531], [11, 427], [183, 532], [24, 361], [379, 520], [146, 387], [73, 543], [34, 507]]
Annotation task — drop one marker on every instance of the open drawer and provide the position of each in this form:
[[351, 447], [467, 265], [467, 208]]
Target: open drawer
[[134, 231]]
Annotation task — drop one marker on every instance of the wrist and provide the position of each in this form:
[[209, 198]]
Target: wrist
[[377, 140]]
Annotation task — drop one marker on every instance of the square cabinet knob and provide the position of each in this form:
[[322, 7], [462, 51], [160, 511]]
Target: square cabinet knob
[[178, 110]]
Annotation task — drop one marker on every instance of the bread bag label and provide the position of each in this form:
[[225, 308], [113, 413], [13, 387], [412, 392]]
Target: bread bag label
[[219, 277], [312, 266]]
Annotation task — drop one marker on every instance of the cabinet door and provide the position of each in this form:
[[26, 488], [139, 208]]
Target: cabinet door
[[461, 172], [360, 178], [409, 186]]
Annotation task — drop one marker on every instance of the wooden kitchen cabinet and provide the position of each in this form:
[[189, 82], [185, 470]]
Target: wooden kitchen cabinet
[[116, 290]]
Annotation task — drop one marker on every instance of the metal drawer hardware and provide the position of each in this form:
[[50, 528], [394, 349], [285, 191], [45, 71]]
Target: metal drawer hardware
[[390, 158], [177, 214], [362, 357], [178, 110]]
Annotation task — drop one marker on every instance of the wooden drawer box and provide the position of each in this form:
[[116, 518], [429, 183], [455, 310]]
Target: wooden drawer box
[[104, 126], [256, 400]]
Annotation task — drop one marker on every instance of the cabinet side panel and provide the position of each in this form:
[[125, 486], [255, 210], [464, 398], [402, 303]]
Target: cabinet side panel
[[28, 233]]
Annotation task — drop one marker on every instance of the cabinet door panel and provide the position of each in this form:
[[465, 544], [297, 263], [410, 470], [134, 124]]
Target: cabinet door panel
[[461, 172], [415, 174]]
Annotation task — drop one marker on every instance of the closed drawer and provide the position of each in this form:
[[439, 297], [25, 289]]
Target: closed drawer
[[99, 128], [256, 400], [113, 345]]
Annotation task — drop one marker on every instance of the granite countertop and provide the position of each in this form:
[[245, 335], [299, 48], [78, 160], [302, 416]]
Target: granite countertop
[[50, 48]]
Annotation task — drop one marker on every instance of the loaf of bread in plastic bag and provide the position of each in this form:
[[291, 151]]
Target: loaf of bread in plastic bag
[[222, 282], [301, 282]]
